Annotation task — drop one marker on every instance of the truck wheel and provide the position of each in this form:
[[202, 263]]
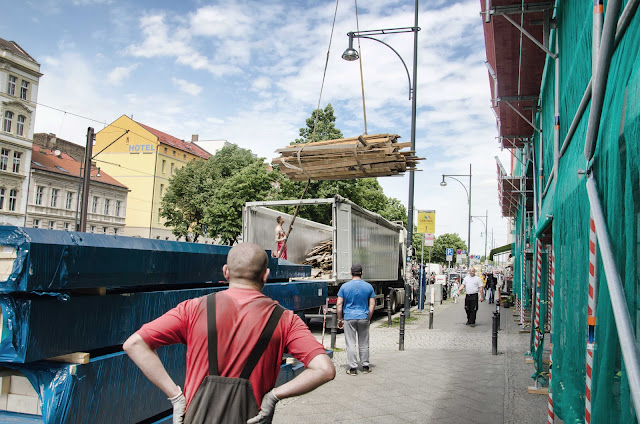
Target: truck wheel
[[393, 303]]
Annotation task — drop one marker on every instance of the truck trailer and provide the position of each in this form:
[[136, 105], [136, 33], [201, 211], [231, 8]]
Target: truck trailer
[[357, 236]]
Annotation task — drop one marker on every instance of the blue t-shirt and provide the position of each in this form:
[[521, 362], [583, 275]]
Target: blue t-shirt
[[356, 295]]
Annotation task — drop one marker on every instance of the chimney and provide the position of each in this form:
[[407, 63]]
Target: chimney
[[194, 137], [51, 141]]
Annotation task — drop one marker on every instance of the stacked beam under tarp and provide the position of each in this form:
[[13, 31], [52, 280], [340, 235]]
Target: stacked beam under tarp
[[66, 293], [378, 155]]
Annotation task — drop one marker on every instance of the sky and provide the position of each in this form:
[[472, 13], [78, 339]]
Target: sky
[[251, 72]]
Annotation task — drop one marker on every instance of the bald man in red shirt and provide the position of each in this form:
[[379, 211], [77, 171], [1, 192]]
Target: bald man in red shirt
[[241, 313]]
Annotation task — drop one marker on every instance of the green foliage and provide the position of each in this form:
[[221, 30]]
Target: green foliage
[[441, 243], [206, 197], [325, 127]]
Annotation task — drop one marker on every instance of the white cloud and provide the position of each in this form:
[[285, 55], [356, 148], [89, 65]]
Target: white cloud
[[221, 21], [120, 73], [187, 87]]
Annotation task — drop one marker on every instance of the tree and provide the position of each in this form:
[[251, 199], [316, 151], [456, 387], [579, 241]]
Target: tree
[[206, 197], [325, 128], [441, 243]]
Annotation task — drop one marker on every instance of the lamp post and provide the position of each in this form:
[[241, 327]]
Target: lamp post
[[352, 54], [486, 235], [444, 184]]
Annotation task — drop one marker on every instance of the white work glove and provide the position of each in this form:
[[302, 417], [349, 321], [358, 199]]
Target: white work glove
[[179, 403], [267, 409]]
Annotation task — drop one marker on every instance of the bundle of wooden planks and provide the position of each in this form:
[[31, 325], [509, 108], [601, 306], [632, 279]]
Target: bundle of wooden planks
[[377, 155], [321, 259]]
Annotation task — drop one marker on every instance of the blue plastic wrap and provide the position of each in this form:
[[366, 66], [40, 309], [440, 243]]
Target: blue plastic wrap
[[51, 261], [44, 327]]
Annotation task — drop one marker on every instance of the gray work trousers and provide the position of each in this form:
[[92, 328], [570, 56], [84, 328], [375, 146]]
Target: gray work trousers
[[359, 328]]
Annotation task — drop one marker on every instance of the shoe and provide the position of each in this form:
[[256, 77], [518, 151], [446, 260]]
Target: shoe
[[473, 325], [352, 371], [467, 323], [366, 370]]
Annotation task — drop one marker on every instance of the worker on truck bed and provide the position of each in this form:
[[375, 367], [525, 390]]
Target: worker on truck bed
[[240, 316], [281, 237]]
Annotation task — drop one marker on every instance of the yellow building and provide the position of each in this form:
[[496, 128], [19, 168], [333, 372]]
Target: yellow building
[[143, 159]]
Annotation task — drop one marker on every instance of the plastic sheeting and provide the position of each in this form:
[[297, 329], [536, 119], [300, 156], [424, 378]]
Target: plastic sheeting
[[84, 323], [49, 260]]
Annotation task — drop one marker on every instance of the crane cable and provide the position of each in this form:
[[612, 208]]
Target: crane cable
[[364, 107], [324, 74]]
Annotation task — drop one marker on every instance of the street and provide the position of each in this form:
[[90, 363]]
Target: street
[[446, 375]]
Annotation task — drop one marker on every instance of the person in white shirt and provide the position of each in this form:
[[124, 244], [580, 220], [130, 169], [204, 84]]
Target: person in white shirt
[[472, 286], [454, 290]]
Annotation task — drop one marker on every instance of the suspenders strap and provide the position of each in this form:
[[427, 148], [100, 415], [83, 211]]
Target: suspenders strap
[[258, 349]]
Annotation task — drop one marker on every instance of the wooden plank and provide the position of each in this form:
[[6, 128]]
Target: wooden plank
[[72, 358], [529, 360], [23, 404], [537, 390]]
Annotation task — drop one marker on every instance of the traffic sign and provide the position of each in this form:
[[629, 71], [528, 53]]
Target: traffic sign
[[449, 251], [429, 240]]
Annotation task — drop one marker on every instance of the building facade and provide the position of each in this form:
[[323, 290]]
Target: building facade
[[144, 159], [19, 80], [55, 195], [51, 142]]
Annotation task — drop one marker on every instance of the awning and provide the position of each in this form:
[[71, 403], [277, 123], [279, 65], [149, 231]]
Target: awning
[[502, 249]]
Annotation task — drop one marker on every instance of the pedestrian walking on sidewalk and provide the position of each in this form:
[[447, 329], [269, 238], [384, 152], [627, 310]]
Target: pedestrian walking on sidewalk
[[454, 290], [356, 301], [232, 373], [473, 287]]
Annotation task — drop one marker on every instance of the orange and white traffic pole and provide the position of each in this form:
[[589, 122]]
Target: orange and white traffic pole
[[552, 278], [536, 342], [591, 316]]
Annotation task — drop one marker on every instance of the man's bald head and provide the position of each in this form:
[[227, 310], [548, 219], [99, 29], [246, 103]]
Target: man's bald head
[[247, 261]]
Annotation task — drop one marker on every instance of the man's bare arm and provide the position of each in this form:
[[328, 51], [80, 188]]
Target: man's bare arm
[[319, 371], [149, 363], [372, 306]]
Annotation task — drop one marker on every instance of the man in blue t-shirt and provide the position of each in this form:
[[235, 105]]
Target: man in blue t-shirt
[[356, 299]]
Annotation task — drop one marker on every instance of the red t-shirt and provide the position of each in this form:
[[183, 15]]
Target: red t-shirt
[[241, 314]]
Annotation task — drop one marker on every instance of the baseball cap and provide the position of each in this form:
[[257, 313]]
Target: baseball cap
[[356, 269]]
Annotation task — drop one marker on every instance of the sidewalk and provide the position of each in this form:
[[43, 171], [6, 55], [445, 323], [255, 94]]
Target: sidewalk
[[445, 375]]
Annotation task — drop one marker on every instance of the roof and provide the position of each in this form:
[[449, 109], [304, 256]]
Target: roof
[[177, 143], [14, 48], [517, 64], [46, 160], [502, 249]]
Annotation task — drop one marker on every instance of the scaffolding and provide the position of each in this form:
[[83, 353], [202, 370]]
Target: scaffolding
[[565, 90]]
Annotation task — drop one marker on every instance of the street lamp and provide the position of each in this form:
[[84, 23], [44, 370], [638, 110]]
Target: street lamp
[[443, 183], [486, 235], [351, 54]]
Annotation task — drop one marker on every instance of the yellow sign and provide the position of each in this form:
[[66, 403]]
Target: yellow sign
[[427, 222]]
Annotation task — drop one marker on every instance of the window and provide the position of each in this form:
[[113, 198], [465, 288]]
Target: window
[[159, 217], [104, 230], [23, 90], [39, 194], [106, 206], [36, 223], [117, 211], [93, 228], [174, 153], [20, 125], [171, 168], [69, 201], [164, 162], [2, 198], [94, 206], [11, 86], [16, 161], [165, 150], [13, 199], [4, 159], [52, 225], [66, 226], [184, 157], [115, 231], [8, 118], [54, 197], [161, 189]]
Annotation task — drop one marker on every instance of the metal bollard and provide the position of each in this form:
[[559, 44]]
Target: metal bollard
[[498, 312], [401, 343], [494, 334], [407, 299], [389, 311], [334, 330], [431, 317]]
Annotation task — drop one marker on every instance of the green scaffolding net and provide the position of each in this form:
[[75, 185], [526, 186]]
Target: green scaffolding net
[[616, 168]]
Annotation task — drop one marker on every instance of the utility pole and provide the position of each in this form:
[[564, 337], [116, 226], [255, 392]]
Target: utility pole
[[86, 179]]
